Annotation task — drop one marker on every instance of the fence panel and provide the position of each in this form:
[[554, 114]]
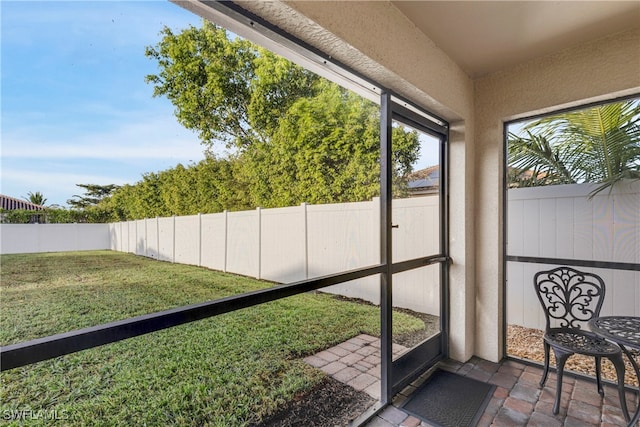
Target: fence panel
[[141, 237], [417, 235], [187, 240], [626, 233], [243, 243], [565, 222], [124, 233], [133, 238], [152, 238], [214, 243], [516, 282], [34, 238], [115, 236], [166, 238], [283, 249], [342, 237]]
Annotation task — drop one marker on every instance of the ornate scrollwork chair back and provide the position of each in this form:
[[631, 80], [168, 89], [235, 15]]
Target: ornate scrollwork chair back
[[569, 299]]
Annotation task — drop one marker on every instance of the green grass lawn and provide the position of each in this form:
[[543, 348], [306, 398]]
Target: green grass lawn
[[230, 370]]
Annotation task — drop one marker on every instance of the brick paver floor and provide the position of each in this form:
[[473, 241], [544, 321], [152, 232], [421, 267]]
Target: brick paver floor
[[517, 401], [355, 362]]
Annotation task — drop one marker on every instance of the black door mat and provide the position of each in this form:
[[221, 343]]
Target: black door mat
[[449, 400]]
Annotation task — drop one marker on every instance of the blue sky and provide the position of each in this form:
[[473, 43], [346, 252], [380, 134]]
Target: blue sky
[[75, 107]]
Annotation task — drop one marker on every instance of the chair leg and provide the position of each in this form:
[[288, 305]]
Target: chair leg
[[598, 375], [618, 363], [561, 359], [546, 364]]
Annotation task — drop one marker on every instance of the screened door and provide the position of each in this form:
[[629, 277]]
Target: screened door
[[418, 245]]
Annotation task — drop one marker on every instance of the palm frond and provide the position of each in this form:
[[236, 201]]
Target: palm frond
[[599, 144]]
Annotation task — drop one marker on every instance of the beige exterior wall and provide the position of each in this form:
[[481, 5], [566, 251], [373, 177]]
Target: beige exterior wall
[[377, 41]]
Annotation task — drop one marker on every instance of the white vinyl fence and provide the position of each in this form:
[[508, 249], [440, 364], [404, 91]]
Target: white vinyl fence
[[294, 243], [34, 238], [563, 222]]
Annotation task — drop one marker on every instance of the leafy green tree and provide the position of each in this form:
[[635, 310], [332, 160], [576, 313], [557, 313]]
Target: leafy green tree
[[54, 216], [136, 201], [225, 89], [597, 145], [36, 198], [93, 195], [22, 216], [325, 150], [205, 187], [298, 137], [122, 204]]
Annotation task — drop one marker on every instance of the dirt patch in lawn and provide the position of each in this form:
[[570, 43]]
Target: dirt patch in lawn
[[329, 404], [411, 339]]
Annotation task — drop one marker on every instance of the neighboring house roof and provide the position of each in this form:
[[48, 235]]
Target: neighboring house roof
[[11, 204], [424, 181], [527, 178]]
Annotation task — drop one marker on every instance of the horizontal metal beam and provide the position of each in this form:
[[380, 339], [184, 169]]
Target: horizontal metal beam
[[37, 350], [411, 264], [576, 262], [415, 119]]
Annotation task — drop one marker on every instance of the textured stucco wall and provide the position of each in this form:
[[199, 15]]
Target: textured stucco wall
[[376, 40], [598, 70]]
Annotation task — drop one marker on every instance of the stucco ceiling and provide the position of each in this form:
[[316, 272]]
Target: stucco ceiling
[[486, 36]]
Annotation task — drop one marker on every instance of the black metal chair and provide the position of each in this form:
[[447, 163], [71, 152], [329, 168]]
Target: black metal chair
[[570, 298]]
